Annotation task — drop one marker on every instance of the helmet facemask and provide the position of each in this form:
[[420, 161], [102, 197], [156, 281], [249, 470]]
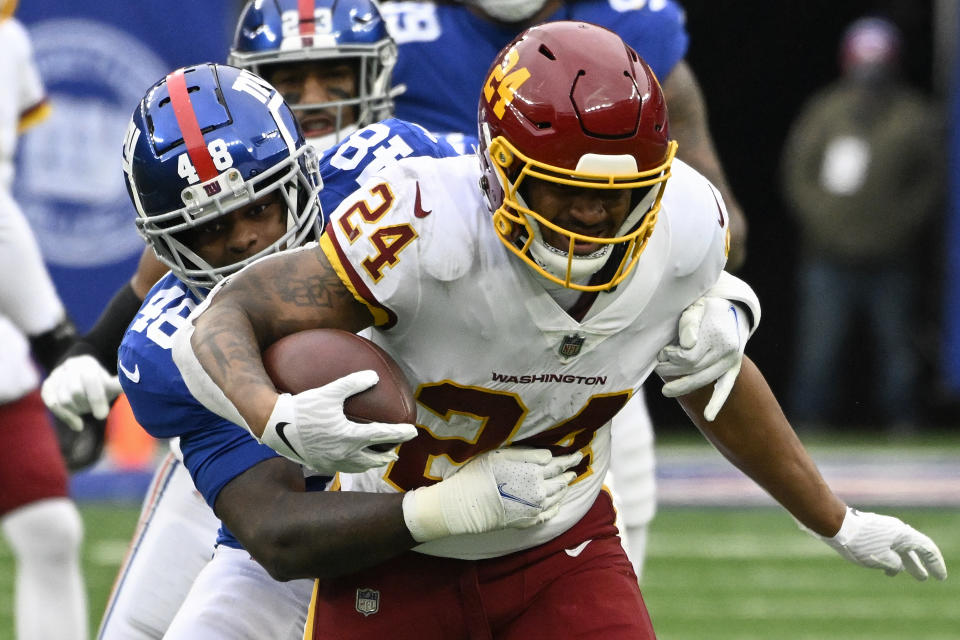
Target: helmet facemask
[[509, 11], [520, 227], [373, 68], [323, 32], [296, 179]]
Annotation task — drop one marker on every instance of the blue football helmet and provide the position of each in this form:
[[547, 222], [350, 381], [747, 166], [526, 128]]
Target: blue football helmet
[[207, 140], [276, 32]]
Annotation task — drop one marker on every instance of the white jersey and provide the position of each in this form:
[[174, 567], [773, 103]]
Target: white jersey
[[29, 303], [28, 300], [494, 360], [22, 101]]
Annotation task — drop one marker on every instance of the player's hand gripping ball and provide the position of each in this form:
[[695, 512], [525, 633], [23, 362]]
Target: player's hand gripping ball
[[314, 358]]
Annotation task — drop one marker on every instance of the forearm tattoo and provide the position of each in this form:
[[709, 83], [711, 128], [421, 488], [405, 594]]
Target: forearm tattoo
[[274, 298]]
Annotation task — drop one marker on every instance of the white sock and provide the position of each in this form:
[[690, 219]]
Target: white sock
[[50, 598]]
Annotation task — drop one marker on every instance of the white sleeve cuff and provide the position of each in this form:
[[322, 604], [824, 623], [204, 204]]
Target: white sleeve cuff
[[732, 288]]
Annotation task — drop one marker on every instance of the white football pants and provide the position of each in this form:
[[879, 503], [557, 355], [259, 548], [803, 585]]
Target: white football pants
[[631, 478], [174, 539], [234, 598]]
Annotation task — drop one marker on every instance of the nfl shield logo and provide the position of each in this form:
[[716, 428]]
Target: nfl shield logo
[[571, 345], [368, 601]]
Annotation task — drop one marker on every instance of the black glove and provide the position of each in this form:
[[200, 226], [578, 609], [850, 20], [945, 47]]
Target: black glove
[[81, 449]]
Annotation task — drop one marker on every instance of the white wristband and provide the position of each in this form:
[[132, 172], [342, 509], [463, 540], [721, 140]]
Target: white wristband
[[424, 515]]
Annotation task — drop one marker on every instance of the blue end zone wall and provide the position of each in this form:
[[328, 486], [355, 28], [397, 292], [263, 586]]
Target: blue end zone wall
[[96, 60], [110, 486]]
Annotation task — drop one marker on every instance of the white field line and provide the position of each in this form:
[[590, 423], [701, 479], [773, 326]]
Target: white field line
[[700, 476]]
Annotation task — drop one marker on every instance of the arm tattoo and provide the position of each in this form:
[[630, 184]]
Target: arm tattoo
[[273, 298]]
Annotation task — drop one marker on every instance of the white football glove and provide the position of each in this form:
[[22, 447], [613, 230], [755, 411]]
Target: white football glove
[[713, 333], [311, 428], [884, 542], [79, 385], [498, 489]]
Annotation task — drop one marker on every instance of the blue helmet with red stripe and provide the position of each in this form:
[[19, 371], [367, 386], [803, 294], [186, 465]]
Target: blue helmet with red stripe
[[283, 32], [207, 140]]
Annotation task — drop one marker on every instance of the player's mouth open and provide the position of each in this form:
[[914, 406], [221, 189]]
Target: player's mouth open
[[561, 244], [317, 124], [583, 246]]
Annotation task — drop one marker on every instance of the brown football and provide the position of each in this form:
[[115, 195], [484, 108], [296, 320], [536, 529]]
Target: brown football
[[313, 358]]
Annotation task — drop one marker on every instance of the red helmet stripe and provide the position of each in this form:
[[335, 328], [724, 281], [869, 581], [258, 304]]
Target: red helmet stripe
[[308, 25], [189, 127]]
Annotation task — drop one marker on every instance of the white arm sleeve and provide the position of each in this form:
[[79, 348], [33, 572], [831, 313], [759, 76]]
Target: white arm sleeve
[[736, 290], [198, 382]]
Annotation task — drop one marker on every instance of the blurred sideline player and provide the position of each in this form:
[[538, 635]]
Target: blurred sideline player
[[38, 519], [564, 235], [448, 44], [338, 81]]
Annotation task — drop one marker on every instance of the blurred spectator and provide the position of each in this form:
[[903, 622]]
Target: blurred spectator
[[863, 172]]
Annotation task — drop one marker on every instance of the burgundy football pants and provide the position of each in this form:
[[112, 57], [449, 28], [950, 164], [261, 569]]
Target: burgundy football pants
[[557, 590]]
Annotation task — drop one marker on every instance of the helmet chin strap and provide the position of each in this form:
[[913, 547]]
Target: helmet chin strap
[[509, 10]]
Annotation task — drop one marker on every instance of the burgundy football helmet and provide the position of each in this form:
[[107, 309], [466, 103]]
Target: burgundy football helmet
[[571, 103]]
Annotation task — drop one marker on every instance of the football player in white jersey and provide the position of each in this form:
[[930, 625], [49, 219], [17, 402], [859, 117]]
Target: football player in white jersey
[[39, 520], [82, 385], [525, 312], [175, 522], [469, 33]]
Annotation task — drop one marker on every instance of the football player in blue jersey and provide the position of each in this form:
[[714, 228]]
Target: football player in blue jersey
[[444, 47], [214, 194], [447, 45], [338, 81]]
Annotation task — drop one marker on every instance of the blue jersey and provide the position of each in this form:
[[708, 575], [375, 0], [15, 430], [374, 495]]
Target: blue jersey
[[215, 450], [443, 96], [346, 166]]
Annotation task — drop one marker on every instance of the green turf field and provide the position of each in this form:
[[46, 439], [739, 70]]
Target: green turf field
[[712, 574], [735, 574]]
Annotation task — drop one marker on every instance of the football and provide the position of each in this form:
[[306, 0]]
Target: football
[[313, 358]]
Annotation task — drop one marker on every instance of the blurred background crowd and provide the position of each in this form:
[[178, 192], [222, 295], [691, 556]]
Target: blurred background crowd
[[846, 343], [835, 132]]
